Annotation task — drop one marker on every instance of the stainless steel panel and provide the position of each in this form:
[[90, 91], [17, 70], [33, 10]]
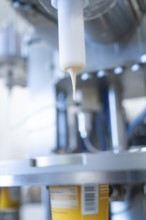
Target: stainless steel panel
[[61, 160], [98, 168]]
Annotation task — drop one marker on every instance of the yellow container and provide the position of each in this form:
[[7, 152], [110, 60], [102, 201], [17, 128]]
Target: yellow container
[[87, 202], [9, 198]]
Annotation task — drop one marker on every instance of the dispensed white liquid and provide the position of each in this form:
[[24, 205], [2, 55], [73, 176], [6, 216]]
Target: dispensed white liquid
[[73, 73]]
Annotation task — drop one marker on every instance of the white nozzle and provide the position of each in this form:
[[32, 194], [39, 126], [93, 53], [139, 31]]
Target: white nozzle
[[71, 33], [71, 36]]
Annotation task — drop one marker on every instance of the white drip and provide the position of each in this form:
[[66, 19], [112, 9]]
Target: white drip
[[73, 74]]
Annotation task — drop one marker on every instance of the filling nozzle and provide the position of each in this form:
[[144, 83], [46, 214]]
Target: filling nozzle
[[71, 36]]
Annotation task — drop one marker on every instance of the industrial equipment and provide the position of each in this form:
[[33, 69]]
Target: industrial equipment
[[95, 141], [13, 62]]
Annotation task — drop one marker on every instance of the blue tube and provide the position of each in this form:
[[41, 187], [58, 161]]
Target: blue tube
[[134, 123]]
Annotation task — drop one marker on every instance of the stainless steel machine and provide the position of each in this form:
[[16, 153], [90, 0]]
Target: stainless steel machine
[[99, 143]]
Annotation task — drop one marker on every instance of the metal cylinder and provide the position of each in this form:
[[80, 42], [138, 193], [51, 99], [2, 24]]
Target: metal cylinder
[[115, 24]]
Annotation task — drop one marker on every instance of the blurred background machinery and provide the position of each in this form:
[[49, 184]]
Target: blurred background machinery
[[39, 117]]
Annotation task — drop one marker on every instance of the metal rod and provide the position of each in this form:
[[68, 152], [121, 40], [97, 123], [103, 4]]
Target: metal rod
[[46, 202], [117, 121]]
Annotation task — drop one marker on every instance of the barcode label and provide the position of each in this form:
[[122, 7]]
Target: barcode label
[[89, 198]]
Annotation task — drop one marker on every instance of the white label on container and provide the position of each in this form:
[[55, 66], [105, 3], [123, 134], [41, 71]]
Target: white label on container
[[63, 197], [89, 199]]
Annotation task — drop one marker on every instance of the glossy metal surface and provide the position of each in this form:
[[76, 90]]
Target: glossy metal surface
[[116, 24], [9, 214], [84, 168], [131, 207], [58, 160], [106, 21], [117, 118]]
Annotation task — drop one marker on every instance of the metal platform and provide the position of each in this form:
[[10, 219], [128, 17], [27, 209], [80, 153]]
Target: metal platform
[[75, 169]]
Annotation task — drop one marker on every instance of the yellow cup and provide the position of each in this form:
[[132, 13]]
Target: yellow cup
[[86, 202], [9, 198]]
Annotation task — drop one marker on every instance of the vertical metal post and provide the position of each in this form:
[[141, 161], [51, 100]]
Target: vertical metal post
[[117, 122], [131, 208], [46, 202]]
